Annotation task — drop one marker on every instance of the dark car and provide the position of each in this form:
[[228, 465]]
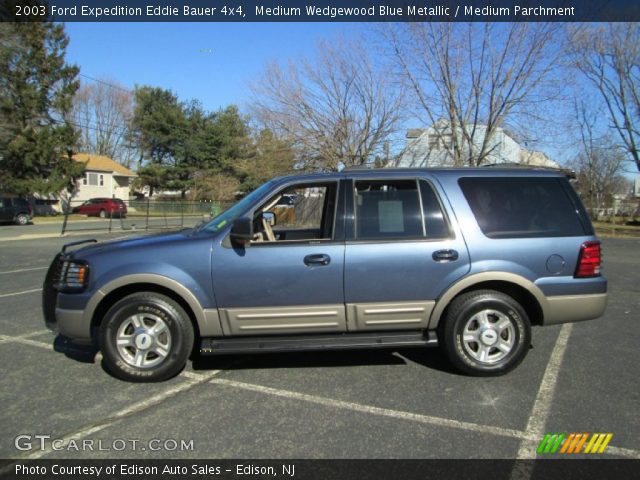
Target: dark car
[[469, 259], [16, 210], [102, 207]]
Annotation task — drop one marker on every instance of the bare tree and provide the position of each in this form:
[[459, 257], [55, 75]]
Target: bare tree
[[336, 111], [599, 161], [470, 80], [609, 57], [102, 111]]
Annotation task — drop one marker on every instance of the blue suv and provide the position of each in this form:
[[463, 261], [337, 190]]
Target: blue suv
[[468, 259]]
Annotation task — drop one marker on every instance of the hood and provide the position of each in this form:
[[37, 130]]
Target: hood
[[138, 241]]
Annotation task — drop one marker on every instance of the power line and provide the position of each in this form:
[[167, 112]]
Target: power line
[[121, 130], [105, 83]]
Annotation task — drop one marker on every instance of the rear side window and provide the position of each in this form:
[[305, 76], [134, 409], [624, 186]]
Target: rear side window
[[517, 207]]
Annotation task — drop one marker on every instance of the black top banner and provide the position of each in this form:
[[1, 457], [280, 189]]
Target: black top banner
[[322, 10]]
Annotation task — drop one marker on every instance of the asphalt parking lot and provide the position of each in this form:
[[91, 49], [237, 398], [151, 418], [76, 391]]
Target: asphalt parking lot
[[356, 404]]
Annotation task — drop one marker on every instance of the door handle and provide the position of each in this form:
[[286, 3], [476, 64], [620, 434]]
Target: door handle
[[445, 255], [317, 259]]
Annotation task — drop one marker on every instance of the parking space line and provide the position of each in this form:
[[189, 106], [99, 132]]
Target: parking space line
[[17, 338], [192, 375], [385, 412], [402, 415], [23, 270], [109, 421], [544, 398], [4, 295], [31, 334], [26, 341], [623, 452]]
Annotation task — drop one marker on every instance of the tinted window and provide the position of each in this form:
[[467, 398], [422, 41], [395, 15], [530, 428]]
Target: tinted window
[[513, 207], [388, 209], [435, 221]]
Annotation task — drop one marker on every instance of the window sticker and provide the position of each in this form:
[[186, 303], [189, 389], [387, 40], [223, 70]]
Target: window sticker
[[390, 216]]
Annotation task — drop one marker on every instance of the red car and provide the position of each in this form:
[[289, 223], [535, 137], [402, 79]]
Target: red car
[[102, 207]]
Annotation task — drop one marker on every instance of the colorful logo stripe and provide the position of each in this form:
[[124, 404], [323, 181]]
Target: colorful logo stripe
[[574, 443]]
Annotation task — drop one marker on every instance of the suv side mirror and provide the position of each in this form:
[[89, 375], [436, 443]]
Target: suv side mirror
[[269, 217], [242, 230]]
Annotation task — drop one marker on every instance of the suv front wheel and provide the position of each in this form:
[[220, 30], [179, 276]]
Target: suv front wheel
[[485, 333], [22, 219], [146, 337]]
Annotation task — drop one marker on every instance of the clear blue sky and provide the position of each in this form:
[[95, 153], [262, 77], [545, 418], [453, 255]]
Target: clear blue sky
[[210, 62], [176, 55]]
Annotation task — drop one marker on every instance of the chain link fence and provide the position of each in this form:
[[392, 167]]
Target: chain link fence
[[107, 214]]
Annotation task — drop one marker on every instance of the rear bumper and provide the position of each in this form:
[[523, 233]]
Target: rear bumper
[[574, 308]]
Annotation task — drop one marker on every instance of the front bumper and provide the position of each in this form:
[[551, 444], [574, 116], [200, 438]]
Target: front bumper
[[69, 322]]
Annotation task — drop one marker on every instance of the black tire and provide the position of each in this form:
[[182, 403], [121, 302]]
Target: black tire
[[102, 214], [505, 326], [150, 310], [22, 219]]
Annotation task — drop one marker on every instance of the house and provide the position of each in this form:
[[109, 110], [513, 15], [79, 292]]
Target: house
[[431, 147], [103, 177]]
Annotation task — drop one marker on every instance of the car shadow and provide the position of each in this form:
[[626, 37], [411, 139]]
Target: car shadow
[[430, 358], [81, 352]]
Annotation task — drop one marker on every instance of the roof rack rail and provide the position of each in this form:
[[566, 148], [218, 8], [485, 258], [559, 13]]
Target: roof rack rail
[[364, 166]]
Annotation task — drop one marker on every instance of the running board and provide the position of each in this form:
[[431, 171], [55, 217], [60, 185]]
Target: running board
[[339, 341]]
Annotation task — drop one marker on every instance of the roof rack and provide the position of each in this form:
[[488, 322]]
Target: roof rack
[[364, 166]]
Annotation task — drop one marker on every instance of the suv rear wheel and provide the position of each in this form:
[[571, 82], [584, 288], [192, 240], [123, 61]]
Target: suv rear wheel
[[485, 333], [146, 337]]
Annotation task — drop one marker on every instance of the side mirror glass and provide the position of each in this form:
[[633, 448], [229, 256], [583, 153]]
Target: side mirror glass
[[270, 217]]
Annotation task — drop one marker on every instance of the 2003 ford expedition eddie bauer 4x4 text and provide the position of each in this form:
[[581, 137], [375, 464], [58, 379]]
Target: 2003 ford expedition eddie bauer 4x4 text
[[468, 259]]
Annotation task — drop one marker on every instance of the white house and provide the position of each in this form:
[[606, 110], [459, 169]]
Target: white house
[[431, 147], [103, 177]]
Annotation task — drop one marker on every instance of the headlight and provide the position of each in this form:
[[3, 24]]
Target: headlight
[[73, 275]]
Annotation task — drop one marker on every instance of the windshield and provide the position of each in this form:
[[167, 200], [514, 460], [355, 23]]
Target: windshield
[[229, 215]]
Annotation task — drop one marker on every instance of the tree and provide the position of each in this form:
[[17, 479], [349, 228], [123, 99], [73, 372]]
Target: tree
[[470, 80], [270, 157], [336, 111], [159, 130], [158, 124], [183, 144], [609, 58], [599, 163], [36, 92], [102, 111]]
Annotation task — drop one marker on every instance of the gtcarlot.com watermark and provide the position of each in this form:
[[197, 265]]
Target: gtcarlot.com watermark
[[40, 442]]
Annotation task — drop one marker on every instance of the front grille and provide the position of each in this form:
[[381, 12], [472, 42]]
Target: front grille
[[57, 274], [49, 293]]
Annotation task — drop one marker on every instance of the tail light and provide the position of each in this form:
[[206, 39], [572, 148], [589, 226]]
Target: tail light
[[589, 260]]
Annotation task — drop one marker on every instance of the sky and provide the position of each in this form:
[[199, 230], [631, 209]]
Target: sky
[[210, 62]]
